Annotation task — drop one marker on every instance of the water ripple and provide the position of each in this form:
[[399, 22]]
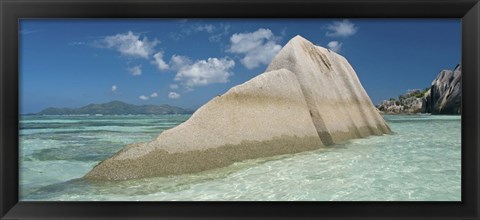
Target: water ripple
[[419, 162]]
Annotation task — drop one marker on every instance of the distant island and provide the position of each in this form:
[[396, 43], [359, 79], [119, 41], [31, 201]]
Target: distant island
[[117, 108]]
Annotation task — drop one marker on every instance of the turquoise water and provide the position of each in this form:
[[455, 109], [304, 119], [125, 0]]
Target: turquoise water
[[421, 161]]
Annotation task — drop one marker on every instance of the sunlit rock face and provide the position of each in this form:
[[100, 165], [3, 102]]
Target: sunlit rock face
[[337, 101], [309, 97]]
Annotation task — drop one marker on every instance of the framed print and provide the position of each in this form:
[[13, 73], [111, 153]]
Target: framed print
[[239, 109]]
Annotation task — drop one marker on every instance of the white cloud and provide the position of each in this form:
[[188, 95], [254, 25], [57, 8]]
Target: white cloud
[[28, 31], [114, 88], [130, 44], [223, 30], [161, 64], [259, 47], [216, 32], [136, 70], [176, 36], [335, 46], [201, 72], [142, 97], [78, 43], [209, 28], [204, 72], [215, 37], [173, 95], [177, 62], [342, 28]]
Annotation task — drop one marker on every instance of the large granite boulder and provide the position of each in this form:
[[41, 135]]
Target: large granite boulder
[[263, 117], [340, 106], [445, 95], [309, 97]]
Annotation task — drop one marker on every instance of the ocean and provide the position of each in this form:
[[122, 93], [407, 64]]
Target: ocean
[[420, 161]]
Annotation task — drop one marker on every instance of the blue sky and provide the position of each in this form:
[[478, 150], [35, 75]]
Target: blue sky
[[186, 62]]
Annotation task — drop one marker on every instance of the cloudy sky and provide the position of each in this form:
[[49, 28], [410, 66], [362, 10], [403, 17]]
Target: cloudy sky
[[186, 62]]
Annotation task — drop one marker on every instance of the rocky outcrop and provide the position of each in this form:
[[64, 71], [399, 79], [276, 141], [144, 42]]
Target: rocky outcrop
[[411, 102], [391, 107], [445, 95], [414, 105], [309, 97]]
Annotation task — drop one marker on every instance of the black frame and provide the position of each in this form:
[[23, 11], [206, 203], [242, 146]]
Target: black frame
[[12, 10]]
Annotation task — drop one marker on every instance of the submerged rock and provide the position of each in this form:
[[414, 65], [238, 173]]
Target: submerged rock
[[309, 97]]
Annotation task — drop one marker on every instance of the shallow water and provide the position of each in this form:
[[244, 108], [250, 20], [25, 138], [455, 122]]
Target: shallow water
[[421, 161]]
